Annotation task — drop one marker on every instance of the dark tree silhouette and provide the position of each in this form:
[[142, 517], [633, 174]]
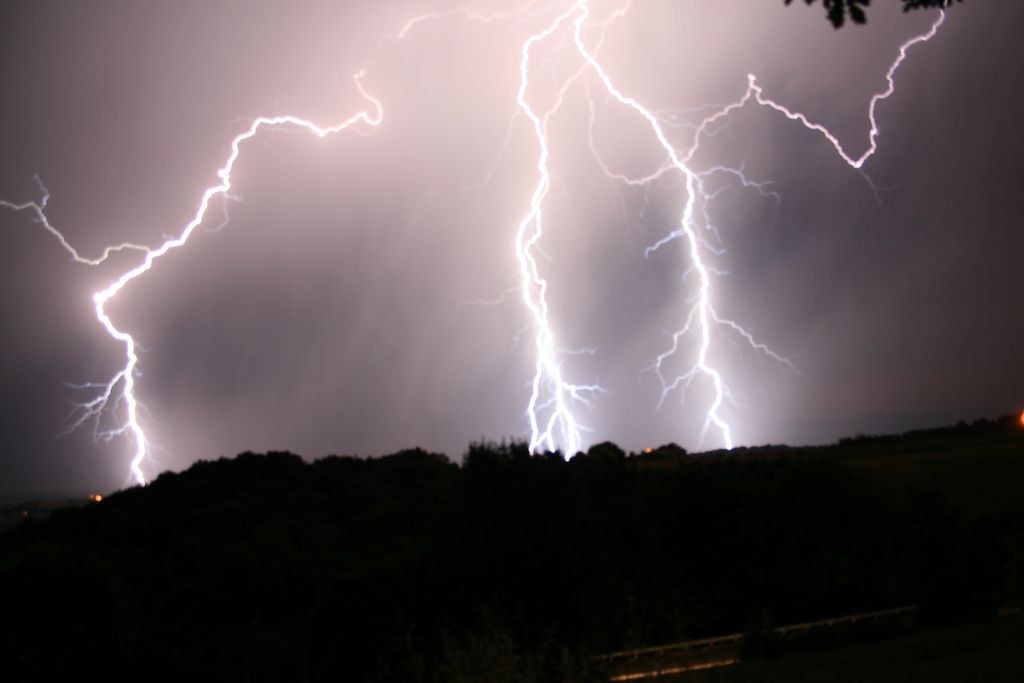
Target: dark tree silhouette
[[509, 567], [839, 10]]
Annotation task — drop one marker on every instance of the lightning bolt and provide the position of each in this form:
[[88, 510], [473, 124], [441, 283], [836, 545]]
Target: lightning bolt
[[551, 392], [38, 210], [120, 389], [121, 386], [702, 319], [890, 79], [553, 398]]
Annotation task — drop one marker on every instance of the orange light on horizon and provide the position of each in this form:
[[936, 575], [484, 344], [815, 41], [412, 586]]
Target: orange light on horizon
[[1022, 418], [95, 497]]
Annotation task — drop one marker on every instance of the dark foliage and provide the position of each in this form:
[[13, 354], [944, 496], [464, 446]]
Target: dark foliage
[[511, 567], [999, 427], [839, 10]]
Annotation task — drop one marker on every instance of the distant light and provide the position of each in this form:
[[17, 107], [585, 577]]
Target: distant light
[[1022, 418], [651, 450], [95, 497]]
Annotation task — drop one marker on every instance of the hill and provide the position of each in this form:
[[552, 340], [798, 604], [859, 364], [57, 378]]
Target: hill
[[508, 567]]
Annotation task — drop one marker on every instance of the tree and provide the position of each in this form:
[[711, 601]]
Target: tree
[[838, 10]]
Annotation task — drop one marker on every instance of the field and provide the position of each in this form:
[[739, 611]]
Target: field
[[981, 474]]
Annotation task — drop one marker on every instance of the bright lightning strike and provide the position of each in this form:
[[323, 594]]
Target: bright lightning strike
[[553, 398], [702, 319], [702, 314], [551, 393], [121, 386]]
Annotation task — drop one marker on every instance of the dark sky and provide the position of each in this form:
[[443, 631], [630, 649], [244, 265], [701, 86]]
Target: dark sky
[[340, 309]]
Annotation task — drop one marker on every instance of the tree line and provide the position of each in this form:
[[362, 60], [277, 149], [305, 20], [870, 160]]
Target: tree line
[[508, 566]]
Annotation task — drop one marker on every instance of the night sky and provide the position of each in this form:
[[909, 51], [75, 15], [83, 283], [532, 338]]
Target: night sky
[[358, 300]]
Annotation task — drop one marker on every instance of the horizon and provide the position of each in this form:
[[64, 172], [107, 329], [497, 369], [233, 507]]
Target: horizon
[[14, 497]]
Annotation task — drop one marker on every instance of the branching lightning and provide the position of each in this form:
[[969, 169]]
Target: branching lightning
[[702, 319], [551, 393], [121, 387], [553, 398], [38, 209]]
